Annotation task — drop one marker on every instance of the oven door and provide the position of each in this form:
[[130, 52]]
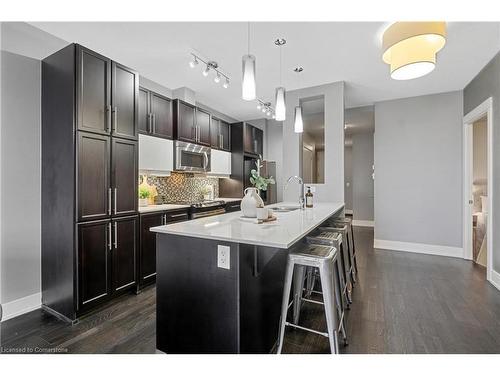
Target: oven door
[[192, 158]]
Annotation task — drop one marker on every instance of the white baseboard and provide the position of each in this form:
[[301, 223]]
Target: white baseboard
[[363, 223], [421, 248], [349, 212], [21, 306], [495, 279]]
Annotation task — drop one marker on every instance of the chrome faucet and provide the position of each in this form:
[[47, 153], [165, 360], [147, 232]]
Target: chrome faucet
[[302, 200]]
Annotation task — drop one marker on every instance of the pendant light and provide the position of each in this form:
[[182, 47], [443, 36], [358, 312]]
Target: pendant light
[[248, 67], [280, 91], [410, 48], [298, 124]]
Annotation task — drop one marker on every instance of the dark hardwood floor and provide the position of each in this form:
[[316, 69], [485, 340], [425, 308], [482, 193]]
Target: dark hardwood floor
[[403, 303]]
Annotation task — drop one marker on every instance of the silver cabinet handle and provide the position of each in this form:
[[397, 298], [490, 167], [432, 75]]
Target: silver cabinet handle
[[115, 118], [149, 123], [108, 118], [116, 235], [116, 190], [165, 219], [154, 122], [109, 201], [176, 215], [109, 236]]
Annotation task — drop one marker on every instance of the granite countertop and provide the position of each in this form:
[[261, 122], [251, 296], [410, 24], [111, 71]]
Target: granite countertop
[[289, 228]]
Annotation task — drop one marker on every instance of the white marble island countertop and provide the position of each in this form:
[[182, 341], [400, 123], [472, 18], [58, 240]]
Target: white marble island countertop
[[289, 228]]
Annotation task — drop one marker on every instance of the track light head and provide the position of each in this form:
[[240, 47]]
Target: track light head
[[217, 78], [226, 83], [193, 63]]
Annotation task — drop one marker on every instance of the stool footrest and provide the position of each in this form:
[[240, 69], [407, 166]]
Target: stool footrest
[[307, 329], [312, 301]]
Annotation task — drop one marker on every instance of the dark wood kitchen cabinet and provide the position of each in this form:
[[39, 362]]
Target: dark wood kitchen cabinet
[[124, 172], [90, 108], [203, 119], [124, 101], [106, 94], [124, 252], [155, 114], [191, 124], [185, 122], [253, 140], [94, 251], [220, 136], [147, 249], [94, 183]]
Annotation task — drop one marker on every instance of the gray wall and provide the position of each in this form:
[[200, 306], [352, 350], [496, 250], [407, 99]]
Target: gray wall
[[20, 177], [362, 182], [348, 176], [418, 169], [487, 84], [333, 188]]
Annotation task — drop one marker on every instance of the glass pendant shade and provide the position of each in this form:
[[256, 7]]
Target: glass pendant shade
[[298, 125], [248, 86], [280, 104], [410, 48]]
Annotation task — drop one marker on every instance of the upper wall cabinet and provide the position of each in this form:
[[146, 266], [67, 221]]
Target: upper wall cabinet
[[191, 124], [220, 136], [107, 95], [155, 114], [253, 140]]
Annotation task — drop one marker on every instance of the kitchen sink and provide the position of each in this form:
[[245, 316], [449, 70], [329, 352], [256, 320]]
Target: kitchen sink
[[284, 208]]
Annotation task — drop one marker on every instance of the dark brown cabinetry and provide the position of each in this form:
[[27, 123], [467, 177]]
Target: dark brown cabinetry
[[147, 256], [90, 113], [220, 136], [253, 139], [94, 250], [155, 114], [191, 124]]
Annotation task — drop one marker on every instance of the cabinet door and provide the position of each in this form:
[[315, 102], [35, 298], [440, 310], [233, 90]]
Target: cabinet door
[[124, 101], [94, 187], [249, 134], [148, 247], [258, 140], [185, 122], [203, 123], [143, 111], [93, 92], [214, 133], [124, 176], [161, 109], [225, 136], [94, 249], [124, 252]]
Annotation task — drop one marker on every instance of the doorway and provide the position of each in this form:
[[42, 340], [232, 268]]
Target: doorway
[[478, 180]]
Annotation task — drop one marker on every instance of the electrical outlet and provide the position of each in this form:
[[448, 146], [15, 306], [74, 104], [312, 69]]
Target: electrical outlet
[[223, 257]]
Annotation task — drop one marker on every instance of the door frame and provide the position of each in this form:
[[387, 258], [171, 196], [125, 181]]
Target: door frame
[[483, 109]]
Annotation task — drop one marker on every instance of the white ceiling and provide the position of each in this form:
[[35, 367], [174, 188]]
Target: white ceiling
[[329, 52]]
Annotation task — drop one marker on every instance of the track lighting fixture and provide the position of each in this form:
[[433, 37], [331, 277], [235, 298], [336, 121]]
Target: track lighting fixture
[[210, 65]]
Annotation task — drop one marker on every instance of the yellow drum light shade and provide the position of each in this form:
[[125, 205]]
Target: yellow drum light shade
[[410, 48]]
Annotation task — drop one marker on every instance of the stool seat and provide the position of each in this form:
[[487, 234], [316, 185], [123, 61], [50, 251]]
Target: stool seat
[[316, 251]]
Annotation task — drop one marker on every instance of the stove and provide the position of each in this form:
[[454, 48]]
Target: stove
[[207, 208]]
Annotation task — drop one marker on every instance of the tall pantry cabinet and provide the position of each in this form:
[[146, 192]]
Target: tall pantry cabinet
[[89, 180]]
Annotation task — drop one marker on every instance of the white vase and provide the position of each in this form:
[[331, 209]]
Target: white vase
[[250, 202]]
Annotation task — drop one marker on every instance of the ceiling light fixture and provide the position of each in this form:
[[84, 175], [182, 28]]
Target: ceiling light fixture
[[210, 65], [410, 48], [280, 91], [298, 124], [248, 91]]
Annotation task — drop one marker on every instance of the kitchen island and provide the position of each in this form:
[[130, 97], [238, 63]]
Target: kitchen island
[[220, 279]]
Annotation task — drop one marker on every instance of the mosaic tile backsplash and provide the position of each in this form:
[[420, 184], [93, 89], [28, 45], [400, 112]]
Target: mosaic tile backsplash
[[183, 187]]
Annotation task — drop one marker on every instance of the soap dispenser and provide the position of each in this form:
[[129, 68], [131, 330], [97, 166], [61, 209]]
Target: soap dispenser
[[309, 198]]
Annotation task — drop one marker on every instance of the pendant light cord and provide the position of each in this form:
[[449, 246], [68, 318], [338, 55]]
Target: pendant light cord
[[281, 65], [248, 37]]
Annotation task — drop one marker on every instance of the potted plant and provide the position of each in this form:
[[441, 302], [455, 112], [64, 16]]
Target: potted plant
[[259, 181], [144, 194]]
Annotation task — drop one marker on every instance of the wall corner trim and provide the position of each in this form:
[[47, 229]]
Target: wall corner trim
[[495, 279], [420, 248], [363, 223], [21, 306]]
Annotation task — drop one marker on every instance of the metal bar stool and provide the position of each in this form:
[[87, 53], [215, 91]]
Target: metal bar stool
[[350, 231], [323, 258], [350, 268], [331, 239]]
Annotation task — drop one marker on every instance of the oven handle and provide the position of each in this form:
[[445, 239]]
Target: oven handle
[[218, 211]]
